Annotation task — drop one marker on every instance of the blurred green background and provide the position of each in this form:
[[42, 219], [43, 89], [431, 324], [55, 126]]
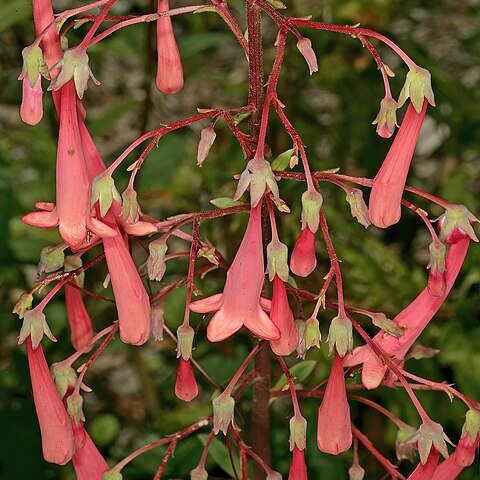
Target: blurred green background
[[133, 400]]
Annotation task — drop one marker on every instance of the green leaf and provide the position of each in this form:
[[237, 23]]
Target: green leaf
[[282, 161], [300, 372], [225, 202], [219, 452]]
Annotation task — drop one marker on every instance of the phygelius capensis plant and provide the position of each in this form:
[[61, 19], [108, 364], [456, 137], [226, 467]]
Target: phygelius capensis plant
[[259, 288]]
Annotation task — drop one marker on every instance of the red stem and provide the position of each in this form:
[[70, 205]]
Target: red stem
[[380, 458]]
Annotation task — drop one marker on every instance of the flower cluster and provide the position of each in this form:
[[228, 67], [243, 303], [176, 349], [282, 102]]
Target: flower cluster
[[260, 290]]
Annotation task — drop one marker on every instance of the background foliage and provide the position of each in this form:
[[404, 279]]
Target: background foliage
[[133, 400]]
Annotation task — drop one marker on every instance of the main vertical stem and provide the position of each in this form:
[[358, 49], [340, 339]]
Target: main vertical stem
[[261, 388], [256, 92]]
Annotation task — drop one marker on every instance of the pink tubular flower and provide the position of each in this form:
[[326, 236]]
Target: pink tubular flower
[[303, 260], [240, 302], [55, 426], [298, 467], [88, 461], [43, 17], [72, 212], [186, 387], [387, 189], [72, 183], [427, 470], [464, 454], [131, 298], [31, 109], [447, 470], [170, 72], [282, 317], [81, 331], [334, 434], [413, 319]]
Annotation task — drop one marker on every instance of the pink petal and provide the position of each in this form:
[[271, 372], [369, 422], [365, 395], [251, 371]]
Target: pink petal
[[207, 304], [41, 219]]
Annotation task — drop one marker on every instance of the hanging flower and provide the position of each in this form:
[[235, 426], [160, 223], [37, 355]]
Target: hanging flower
[[282, 317], [426, 470], [304, 260], [334, 433], [88, 462], [412, 319], [169, 65], [240, 302], [298, 467], [387, 189], [186, 387], [131, 298], [55, 426]]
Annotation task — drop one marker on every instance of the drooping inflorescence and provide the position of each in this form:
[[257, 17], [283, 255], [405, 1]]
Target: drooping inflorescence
[[259, 290]]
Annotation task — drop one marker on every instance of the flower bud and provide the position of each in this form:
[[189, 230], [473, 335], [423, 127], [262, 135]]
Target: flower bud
[[277, 263], [64, 377], [23, 304], [456, 224], [223, 410], [356, 472], [104, 191], [340, 336], [358, 207], [418, 87], [311, 204], [185, 334], [303, 260], [304, 45], [157, 321], [186, 387], [74, 65], [75, 408], [301, 347], [156, 260], [312, 333], [386, 120], [199, 473], [298, 432], [51, 259], [35, 325], [207, 137], [130, 207]]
